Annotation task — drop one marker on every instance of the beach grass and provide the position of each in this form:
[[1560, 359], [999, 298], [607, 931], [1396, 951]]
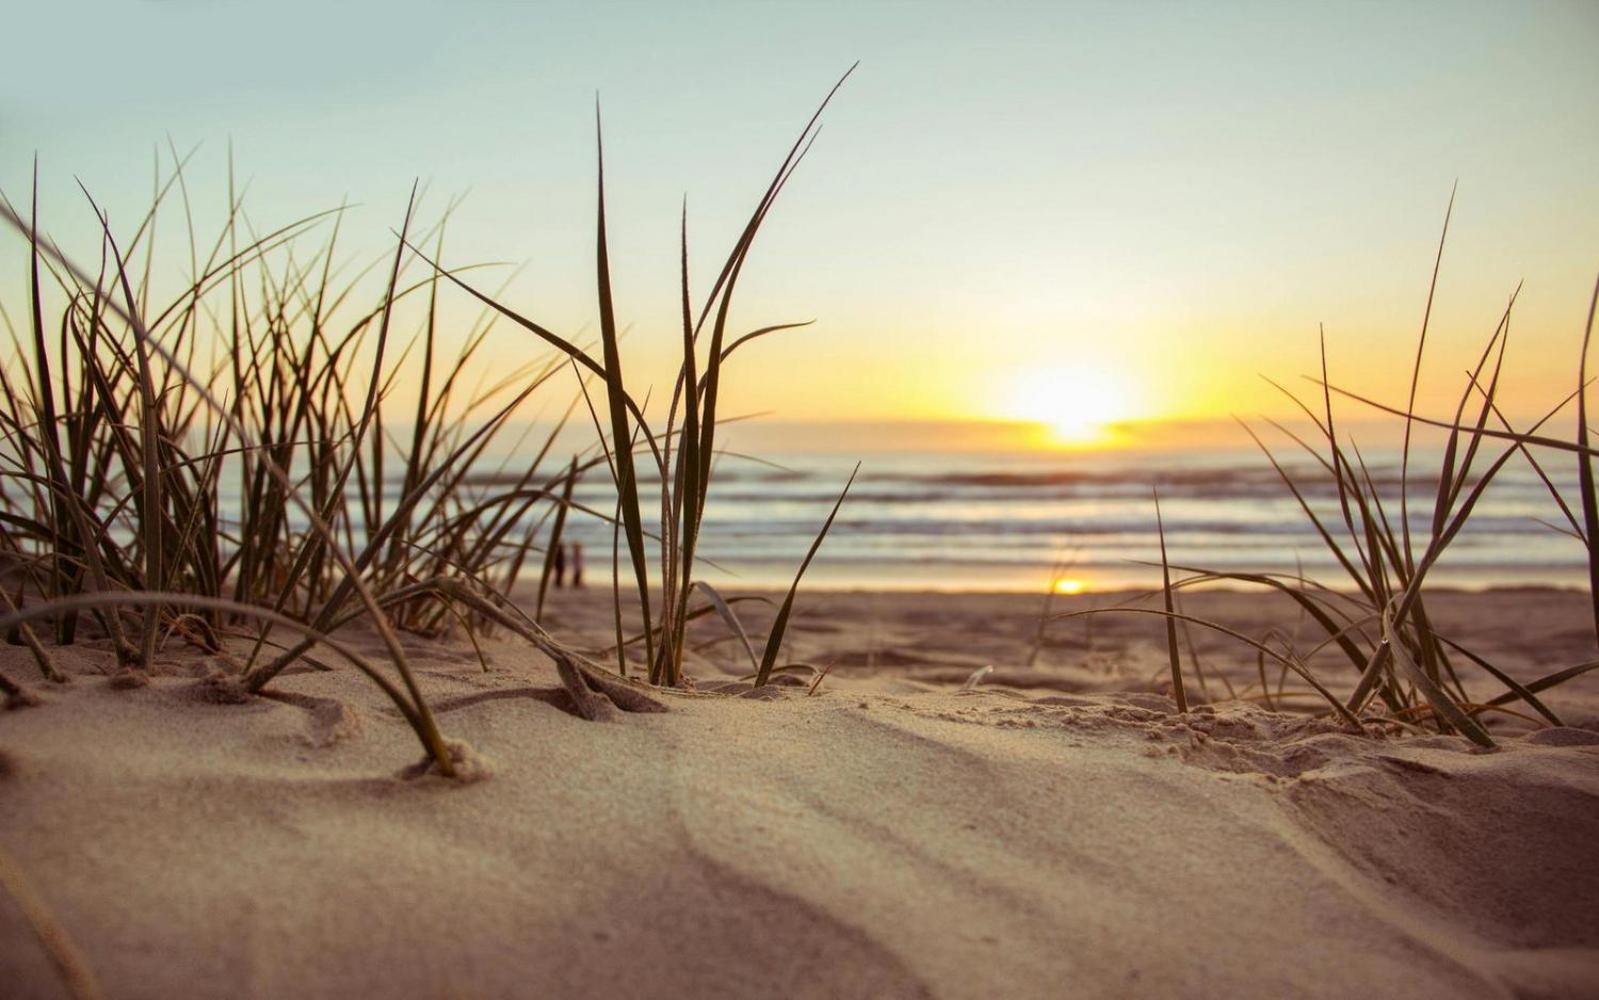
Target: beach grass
[[228, 464], [124, 416], [1405, 669]]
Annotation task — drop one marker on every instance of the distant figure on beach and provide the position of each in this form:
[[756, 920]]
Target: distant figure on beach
[[577, 564], [560, 566]]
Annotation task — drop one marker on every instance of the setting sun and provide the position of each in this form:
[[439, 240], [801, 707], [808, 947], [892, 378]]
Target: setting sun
[[1077, 405]]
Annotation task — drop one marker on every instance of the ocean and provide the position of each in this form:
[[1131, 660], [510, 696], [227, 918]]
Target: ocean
[[1018, 521]]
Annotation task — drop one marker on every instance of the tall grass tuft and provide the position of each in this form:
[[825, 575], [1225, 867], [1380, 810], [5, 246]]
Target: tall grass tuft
[[1173, 657], [1401, 666], [683, 451], [124, 419], [227, 463]]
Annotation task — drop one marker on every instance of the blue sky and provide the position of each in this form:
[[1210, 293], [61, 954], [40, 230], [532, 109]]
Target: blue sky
[[1175, 194]]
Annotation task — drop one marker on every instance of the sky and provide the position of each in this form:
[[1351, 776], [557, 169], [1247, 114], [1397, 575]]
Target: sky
[[1079, 214]]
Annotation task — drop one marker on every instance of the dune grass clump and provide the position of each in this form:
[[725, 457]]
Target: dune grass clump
[[682, 452], [1405, 669], [228, 462], [205, 467]]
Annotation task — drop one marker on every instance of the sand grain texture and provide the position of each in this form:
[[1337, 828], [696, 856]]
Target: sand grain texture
[[887, 837]]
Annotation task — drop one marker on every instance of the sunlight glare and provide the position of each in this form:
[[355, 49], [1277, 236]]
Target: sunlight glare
[[1078, 405]]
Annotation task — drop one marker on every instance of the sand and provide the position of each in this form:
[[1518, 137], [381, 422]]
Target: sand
[[1058, 830]]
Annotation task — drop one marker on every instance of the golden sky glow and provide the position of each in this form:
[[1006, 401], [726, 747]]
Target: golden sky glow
[[1080, 215]]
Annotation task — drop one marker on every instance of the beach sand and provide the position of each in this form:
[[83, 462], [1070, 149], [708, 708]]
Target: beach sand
[[1057, 830]]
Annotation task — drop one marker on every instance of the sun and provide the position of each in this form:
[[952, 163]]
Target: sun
[[1078, 405]]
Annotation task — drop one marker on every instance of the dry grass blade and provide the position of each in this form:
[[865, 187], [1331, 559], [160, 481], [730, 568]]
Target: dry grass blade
[[1415, 378], [1516, 437], [1413, 662], [727, 351], [1339, 634], [591, 690], [145, 599], [616, 398], [1260, 647], [41, 656], [726, 612], [774, 639], [1359, 576], [353, 582], [976, 677], [148, 416], [1585, 477], [1441, 703], [682, 513], [1057, 574], [46, 396], [64, 954], [1548, 681], [428, 730], [552, 550], [1171, 618], [1517, 689], [682, 458]]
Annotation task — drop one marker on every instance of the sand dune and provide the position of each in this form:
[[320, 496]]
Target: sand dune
[[885, 836]]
